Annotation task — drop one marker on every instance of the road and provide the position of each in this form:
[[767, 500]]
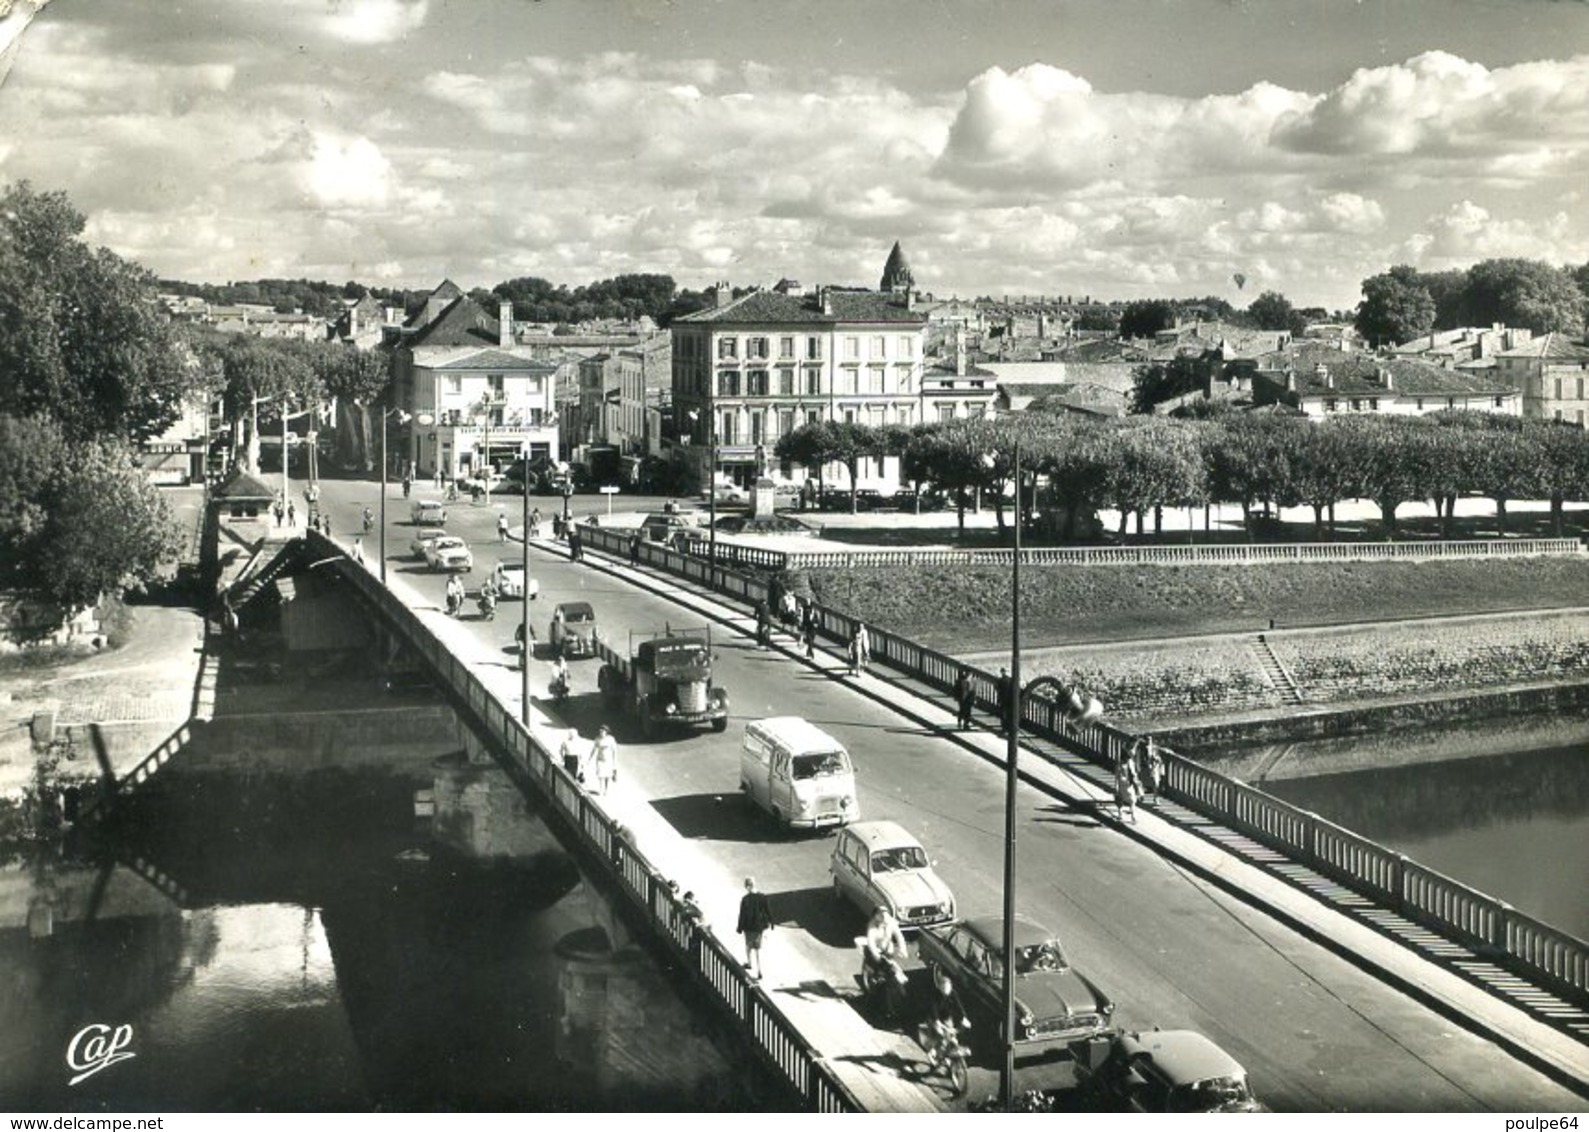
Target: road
[[1315, 1033]]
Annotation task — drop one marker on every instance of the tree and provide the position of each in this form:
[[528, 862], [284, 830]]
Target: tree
[[1273, 311], [1146, 317], [1396, 308], [1156, 382], [947, 456], [77, 518], [1523, 292], [82, 336]]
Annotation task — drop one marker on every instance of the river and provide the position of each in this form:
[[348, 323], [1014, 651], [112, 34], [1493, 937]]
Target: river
[[303, 946]]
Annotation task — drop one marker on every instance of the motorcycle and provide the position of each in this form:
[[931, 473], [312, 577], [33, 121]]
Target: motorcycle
[[369, 521], [559, 689], [454, 603], [882, 980], [488, 605], [945, 1051]]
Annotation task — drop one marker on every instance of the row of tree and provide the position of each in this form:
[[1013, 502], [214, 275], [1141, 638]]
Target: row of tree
[[1142, 465], [1404, 303]]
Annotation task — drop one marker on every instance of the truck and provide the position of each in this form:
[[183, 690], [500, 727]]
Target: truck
[[665, 679]]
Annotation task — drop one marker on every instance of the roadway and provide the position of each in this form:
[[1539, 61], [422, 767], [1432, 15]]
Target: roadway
[[1316, 1033]]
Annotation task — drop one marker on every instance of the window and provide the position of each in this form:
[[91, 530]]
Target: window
[[1451, 402], [1331, 404], [902, 379], [879, 346], [454, 383], [976, 412], [1558, 389], [786, 348], [946, 412], [813, 348], [786, 423], [852, 349], [874, 379], [907, 346], [725, 431], [814, 416], [494, 386], [728, 383], [1580, 418], [1356, 404], [758, 426], [1580, 388], [1419, 404], [1500, 403], [786, 383], [814, 382], [1373, 403], [847, 380], [756, 348], [756, 383], [727, 349], [849, 416], [907, 415]]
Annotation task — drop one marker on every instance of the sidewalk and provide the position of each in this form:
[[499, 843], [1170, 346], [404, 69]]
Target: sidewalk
[[1080, 784]]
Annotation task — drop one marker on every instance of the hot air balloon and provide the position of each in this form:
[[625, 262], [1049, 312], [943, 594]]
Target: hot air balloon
[[1240, 279]]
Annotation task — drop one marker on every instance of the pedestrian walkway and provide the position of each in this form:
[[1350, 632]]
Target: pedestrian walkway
[[1534, 1024]]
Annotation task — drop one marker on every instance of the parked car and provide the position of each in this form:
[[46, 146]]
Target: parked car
[[450, 554], [877, 862], [1160, 1071], [422, 540], [573, 629], [1054, 1002], [659, 526], [512, 581], [427, 513]]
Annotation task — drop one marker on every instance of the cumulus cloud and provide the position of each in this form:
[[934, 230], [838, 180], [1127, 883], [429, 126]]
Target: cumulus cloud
[[1467, 232], [371, 21], [346, 172]]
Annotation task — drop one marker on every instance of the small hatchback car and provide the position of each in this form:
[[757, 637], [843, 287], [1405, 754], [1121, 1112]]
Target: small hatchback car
[[1161, 1071], [877, 862]]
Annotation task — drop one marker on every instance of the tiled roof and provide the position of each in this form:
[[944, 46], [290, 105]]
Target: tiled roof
[[463, 323], [773, 308], [1360, 375], [1554, 345], [243, 485], [497, 360]]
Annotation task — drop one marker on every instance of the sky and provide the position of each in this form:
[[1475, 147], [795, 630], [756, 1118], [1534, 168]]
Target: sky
[[1114, 148]]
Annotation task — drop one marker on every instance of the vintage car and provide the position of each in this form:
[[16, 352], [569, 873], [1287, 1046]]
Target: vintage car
[[877, 862], [427, 513], [1160, 1071], [423, 538], [450, 554], [573, 630], [1054, 1002], [511, 580]]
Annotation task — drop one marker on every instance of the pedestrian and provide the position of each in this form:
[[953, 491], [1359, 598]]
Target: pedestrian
[[569, 753], [439, 479], [1005, 697], [519, 636], [755, 919], [634, 550], [292, 514], [1151, 770], [965, 700], [325, 523], [535, 524], [763, 624], [358, 549], [275, 509], [502, 527], [863, 645], [576, 550], [604, 760], [1127, 787], [789, 612], [408, 485]]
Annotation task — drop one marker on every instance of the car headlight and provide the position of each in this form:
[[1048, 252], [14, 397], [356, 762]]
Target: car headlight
[[673, 709]]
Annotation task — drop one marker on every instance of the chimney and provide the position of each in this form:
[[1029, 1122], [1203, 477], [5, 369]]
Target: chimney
[[722, 294], [1322, 372], [1291, 381], [825, 299], [505, 324], [1388, 378]]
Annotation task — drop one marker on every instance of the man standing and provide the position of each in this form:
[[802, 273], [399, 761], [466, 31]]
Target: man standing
[[502, 527], [1006, 697], [965, 700], [604, 759], [755, 919]]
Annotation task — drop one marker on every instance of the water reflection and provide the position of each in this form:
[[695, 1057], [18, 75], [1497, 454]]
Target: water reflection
[[1511, 825], [277, 947]]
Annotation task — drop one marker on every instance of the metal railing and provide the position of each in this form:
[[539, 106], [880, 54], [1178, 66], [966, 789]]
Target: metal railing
[[534, 766], [1232, 554], [1491, 927]]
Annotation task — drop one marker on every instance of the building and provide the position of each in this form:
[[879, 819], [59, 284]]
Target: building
[[747, 371], [1464, 346], [1324, 382], [488, 401], [1553, 374]]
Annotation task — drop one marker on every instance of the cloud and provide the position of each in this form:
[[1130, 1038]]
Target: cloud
[[1467, 232], [370, 21], [347, 172]]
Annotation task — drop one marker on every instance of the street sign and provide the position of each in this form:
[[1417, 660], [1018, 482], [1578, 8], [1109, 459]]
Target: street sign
[[609, 489]]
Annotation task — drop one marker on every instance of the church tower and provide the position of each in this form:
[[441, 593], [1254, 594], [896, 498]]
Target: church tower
[[897, 276]]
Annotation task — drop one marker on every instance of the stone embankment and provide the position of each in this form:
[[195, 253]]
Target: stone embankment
[[1288, 683]]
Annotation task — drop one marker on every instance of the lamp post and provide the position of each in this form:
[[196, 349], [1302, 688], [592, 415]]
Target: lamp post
[[524, 596], [711, 492]]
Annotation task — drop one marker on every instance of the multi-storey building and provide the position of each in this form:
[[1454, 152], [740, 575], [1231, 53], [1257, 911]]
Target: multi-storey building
[[1324, 382], [488, 401], [747, 371], [1553, 374]]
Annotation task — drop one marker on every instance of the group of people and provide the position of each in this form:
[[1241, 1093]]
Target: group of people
[[289, 513], [1137, 776], [597, 767]]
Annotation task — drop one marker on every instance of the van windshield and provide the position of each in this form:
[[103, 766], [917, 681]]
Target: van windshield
[[817, 766]]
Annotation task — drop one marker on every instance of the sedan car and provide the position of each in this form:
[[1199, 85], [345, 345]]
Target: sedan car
[[511, 581], [1053, 1001], [877, 862], [422, 540], [427, 513], [573, 629], [450, 554], [1160, 1071]]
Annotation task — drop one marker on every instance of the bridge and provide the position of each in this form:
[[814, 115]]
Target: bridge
[[1343, 976]]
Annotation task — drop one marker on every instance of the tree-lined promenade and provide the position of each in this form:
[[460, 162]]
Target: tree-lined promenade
[[1139, 466]]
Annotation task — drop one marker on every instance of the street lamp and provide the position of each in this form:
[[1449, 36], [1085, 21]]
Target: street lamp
[[424, 420], [1074, 708]]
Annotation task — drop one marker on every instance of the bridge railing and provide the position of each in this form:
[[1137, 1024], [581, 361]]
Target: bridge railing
[[1556, 959], [694, 943]]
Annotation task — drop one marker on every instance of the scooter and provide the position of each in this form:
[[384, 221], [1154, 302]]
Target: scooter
[[488, 605], [559, 689], [947, 1052], [883, 981], [454, 603]]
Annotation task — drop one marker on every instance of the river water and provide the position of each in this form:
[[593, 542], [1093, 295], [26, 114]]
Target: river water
[[1512, 824], [302, 946]]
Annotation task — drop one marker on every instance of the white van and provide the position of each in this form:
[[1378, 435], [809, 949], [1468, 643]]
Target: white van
[[798, 773]]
